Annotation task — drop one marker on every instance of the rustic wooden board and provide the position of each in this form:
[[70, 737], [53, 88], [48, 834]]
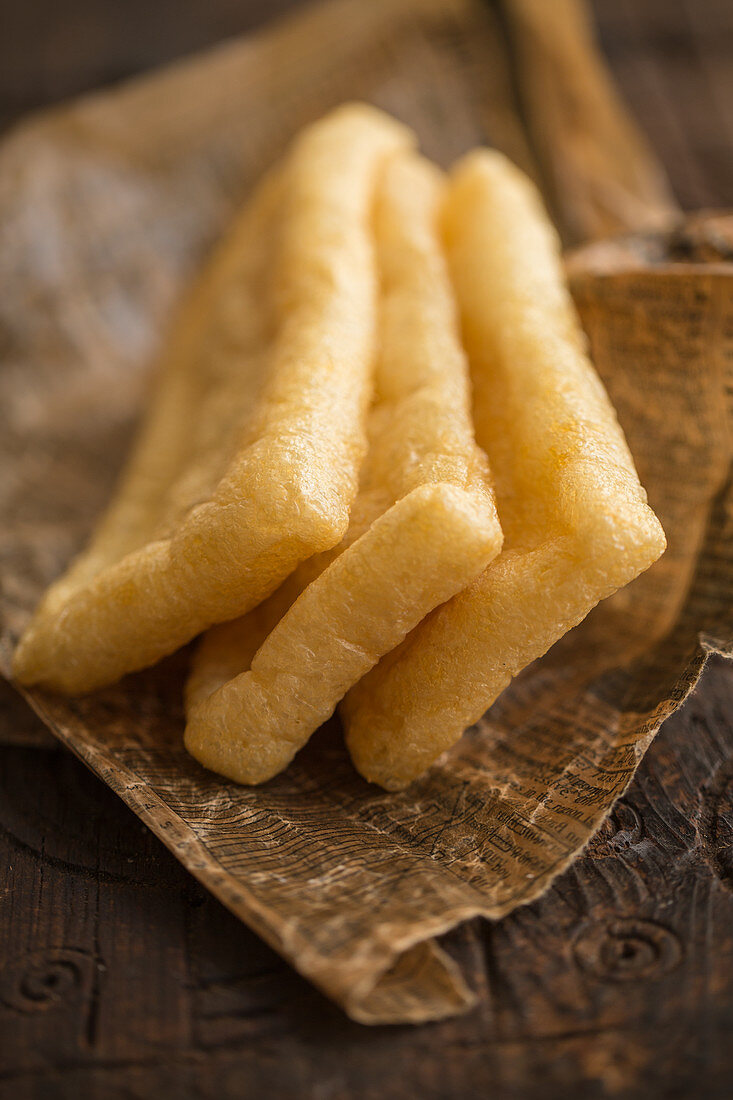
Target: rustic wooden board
[[127, 979]]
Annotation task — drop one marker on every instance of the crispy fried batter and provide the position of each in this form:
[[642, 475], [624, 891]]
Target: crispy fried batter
[[575, 518], [424, 523], [249, 458]]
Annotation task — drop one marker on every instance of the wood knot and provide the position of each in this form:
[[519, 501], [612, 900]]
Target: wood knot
[[43, 980], [627, 949]]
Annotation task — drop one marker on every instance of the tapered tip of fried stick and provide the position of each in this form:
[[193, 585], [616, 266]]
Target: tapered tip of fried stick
[[249, 727]]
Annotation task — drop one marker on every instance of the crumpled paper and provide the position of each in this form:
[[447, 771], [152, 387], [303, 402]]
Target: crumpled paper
[[106, 207]]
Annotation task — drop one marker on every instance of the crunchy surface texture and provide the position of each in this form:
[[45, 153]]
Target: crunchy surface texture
[[576, 522], [424, 523], [249, 458]]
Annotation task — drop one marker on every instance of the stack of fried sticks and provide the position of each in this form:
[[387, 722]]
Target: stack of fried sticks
[[378, 471]]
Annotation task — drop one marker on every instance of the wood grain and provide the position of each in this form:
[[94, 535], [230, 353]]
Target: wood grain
[[125, 977], [122, 978]]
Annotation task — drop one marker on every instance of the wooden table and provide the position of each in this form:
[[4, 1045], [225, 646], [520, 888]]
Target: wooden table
[[123, 978]]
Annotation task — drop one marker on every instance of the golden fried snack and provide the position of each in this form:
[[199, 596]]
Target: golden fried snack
[[424, 523], [249, 458], [574, 515]]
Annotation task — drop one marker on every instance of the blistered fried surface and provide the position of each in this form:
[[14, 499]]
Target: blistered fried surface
[[574, 514], [249, 458], [424, 523]]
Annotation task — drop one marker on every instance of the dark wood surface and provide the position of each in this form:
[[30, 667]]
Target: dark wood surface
[[120, 977]]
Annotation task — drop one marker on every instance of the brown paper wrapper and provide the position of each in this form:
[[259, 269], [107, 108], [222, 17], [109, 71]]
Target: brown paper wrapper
[[600, 175], [105, 209]]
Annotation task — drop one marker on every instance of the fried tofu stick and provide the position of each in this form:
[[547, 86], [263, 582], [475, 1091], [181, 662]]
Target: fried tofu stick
[[575, 518], [248, 461], [424, 523]]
